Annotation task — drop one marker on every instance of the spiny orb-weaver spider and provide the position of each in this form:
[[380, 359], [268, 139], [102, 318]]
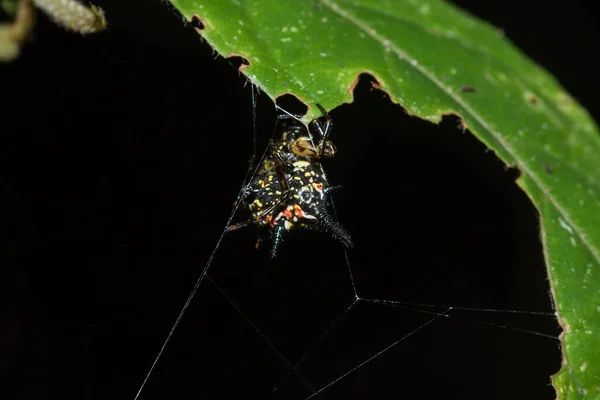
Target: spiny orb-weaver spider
[[290, 190]]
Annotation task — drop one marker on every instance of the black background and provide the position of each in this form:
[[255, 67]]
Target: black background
[[122, 154]]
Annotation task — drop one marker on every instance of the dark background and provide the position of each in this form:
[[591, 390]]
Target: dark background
[[122, 154]]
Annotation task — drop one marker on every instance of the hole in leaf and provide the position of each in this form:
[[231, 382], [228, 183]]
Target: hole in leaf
[[197, 23], [292, 104], [366, 82], [239, 62]]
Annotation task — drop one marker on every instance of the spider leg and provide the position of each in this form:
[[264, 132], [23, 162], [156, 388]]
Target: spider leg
[[282, 201], [331, 189], [329, 225], [277, 238], [280, 166], [324, 131], [337, 231], [259, 238], [239, 225]]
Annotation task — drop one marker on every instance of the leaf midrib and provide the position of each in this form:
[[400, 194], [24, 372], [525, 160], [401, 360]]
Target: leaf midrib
[[522, 80], [418, 67]]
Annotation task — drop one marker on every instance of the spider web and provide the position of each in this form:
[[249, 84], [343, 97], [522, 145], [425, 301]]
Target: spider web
[[337, 356]]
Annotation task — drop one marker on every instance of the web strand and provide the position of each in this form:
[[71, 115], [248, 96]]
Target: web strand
[[490, 310], [378, 353], [351, 276], [352, 282], [293, 369], [407, 306], [253, 97], [184, 308], [208, 262], [412, 306], [315, 344]]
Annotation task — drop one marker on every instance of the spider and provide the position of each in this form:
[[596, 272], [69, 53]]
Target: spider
[[290, 189]]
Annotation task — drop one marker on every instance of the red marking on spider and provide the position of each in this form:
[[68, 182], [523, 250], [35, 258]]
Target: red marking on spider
[[298, 211], [288, 212], [269, 220]]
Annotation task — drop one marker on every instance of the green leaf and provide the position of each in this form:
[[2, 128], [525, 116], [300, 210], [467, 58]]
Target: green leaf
[[434, 59]]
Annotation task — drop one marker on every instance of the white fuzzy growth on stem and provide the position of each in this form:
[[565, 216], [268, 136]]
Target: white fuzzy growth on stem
[[74, 16]]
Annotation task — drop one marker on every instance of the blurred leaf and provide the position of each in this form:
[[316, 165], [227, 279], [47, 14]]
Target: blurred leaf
[[73, 15], [13, 34], [9, 7], [9, 49]]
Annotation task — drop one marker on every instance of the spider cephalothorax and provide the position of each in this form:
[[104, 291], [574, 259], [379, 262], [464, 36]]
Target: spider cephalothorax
[[290, 190]]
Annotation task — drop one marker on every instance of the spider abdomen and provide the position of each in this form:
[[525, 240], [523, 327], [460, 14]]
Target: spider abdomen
[[273, 205], [290, 190]]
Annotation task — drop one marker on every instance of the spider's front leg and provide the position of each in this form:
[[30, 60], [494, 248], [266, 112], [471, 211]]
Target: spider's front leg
[[325, 147]]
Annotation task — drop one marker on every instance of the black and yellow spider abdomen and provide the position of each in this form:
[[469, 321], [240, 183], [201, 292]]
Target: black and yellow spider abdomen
[[304, 198], [290, 190]]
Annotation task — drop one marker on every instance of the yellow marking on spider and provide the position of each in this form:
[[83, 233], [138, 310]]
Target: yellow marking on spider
[[299, 165], [277, 192]]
